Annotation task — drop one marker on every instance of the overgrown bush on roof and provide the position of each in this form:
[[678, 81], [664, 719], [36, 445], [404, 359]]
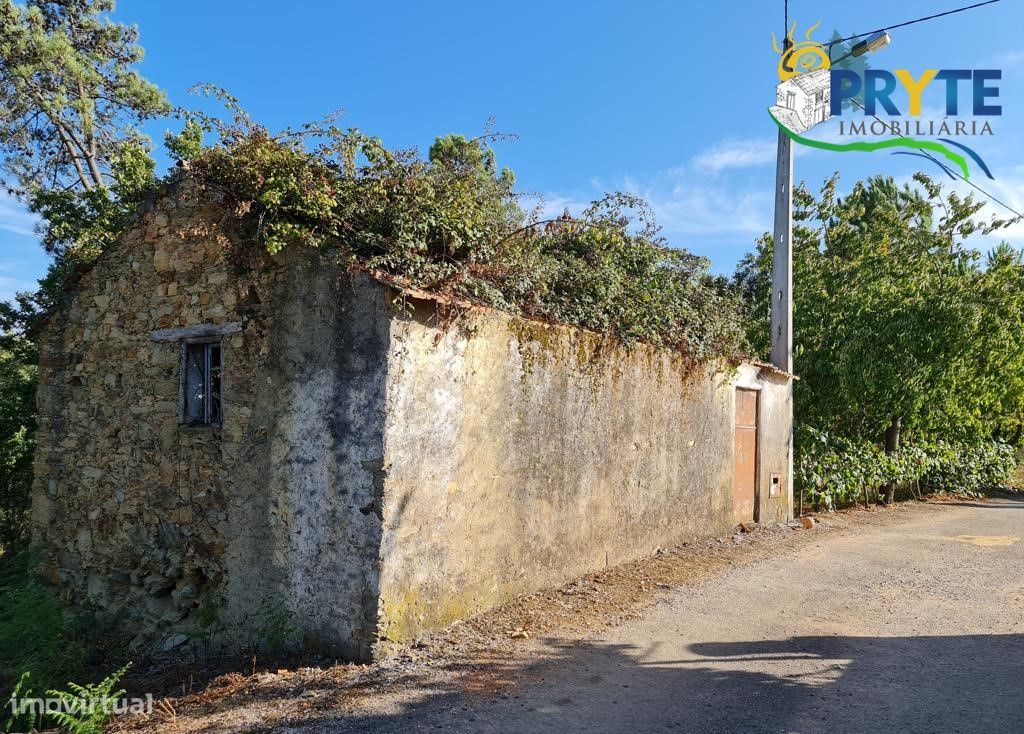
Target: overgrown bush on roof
[[453, 223]]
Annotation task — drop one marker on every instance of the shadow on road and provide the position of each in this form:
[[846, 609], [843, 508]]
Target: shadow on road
[[972, 683]]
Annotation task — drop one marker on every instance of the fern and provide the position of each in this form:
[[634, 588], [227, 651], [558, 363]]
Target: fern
[[86, 709], [21, 721]]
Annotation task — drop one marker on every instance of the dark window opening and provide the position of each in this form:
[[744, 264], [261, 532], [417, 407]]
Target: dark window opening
[[202, 385]]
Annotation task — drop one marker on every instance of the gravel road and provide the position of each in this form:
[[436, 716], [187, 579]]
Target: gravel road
[[912, 628]]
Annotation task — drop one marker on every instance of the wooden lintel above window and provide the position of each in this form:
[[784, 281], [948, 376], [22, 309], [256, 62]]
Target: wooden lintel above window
[[200, 331]]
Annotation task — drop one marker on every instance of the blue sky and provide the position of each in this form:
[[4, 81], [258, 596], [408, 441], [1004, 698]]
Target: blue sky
[[665, 99]]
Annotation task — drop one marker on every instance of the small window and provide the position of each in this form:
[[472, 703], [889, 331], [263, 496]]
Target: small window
[[790, 100], [201, 383]]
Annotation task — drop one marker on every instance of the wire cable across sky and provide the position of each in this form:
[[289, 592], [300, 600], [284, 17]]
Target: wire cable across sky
[[953, 172], [917, 20]]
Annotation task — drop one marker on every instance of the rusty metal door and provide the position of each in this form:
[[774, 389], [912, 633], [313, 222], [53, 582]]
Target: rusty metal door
[[744, 470]]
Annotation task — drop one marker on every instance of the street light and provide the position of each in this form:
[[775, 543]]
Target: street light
[[874, 42], [782, 251]]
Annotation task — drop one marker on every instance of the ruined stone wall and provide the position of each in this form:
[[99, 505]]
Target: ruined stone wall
[[376, 474], [311, 488], [271, 518], [133, 508], [520, 455]]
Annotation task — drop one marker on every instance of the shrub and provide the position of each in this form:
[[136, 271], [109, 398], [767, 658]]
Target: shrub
[[452, 224], [88, 707], [833, 470], [32, 629], [967, 468], [43, 647], [79, 709], [17, 439]]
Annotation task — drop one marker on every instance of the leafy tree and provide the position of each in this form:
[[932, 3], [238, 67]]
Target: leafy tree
[[898, 324], [999, 388], [17, 430], [70, 106]]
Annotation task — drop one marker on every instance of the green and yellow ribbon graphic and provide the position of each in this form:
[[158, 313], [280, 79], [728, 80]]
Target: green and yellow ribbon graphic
[[865, 147]]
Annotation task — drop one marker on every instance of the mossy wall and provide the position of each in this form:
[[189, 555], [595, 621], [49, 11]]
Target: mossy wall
[[520, 454]]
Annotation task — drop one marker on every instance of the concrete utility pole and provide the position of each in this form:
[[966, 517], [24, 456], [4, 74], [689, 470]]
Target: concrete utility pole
[[782, 250], [782, 271], [782, 259]]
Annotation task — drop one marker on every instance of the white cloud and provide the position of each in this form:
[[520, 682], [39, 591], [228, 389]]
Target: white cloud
[[736, 154], [684, 205], [701, 209], [686, 202], [14, 218], [1008, 60], [550, 206]]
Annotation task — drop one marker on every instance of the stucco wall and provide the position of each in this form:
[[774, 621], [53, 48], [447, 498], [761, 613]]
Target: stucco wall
[[520, 454], [305, 535]]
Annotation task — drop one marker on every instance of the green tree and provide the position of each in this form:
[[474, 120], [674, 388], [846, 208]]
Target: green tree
[[999, 391], [898, 323], [70, 108], [71, 104], [17, 431]]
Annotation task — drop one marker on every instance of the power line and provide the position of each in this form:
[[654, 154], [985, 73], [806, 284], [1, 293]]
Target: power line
[[974, 185], [918, 20], [952, 171]]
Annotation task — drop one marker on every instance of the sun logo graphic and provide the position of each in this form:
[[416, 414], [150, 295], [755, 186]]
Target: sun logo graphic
[[801, 58], [803, 96]]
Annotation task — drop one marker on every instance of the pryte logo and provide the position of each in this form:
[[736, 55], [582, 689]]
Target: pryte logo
[[879, 87], [812, 90]]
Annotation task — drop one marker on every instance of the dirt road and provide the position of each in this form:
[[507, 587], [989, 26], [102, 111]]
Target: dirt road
[[913, 627]]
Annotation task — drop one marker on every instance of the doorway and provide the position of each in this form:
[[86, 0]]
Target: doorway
[[744, 470]]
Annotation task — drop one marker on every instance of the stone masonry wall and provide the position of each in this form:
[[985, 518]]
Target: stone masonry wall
[[272, 516], [133, 508]]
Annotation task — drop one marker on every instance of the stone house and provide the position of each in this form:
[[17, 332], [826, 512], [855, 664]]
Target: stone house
[[804, 101], [267, 437]]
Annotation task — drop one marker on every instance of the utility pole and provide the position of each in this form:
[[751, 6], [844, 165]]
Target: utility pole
[[782, 259], [782, 271], [782, 283], [782, 249]]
